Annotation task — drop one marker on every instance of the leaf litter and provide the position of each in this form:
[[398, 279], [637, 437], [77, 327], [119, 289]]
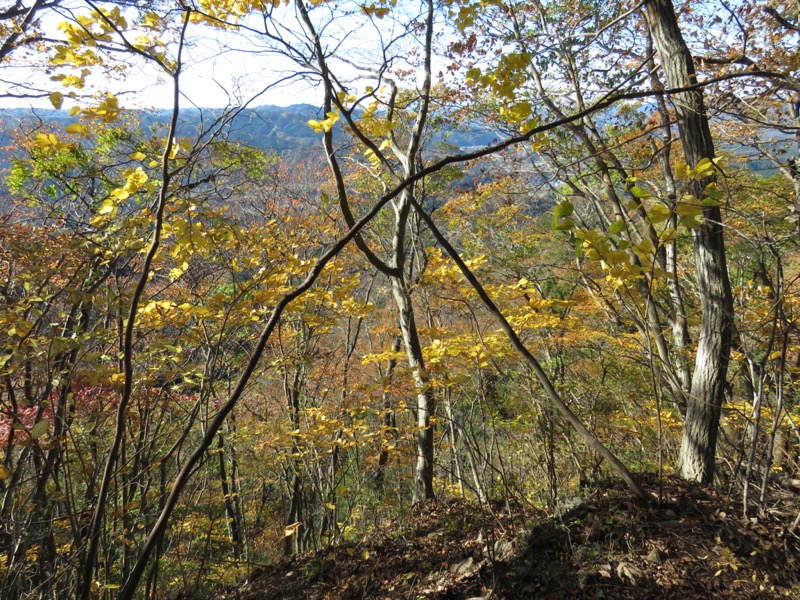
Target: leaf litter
[[695, 544]]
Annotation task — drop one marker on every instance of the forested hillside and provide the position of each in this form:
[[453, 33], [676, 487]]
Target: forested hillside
[[505, 260]]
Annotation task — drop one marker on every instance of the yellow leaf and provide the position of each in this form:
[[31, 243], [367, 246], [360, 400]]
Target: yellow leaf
[[326, 125], [518, 112], [668, 235], [120, 194], [704, 168], [330, 506], [21, 328], [138, 156], [4, 473], [106, 207], [682, 170], [615, 257], [290, 530], [142, 42], [47, 141], [178, 271], [151, 19], [688, 207], [75, 128], [345, 98], [592, 254]]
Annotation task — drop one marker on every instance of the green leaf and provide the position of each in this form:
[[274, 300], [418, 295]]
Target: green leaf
[[639, 192], [563, 209], [658, 214], [562, 224], [57, 99], [39, 429], [617, 227], [693, 221]]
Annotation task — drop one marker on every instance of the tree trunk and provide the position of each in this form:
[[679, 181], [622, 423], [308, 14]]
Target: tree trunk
[[698, 448], [423, 473], [388, 417], [231, 516]]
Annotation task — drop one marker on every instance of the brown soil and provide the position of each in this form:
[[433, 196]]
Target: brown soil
[[696, 544]]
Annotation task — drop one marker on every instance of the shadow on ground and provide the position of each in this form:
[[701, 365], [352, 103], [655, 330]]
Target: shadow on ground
[[608, 545]]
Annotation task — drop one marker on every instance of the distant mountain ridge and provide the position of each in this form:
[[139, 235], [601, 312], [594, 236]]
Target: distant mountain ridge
[[267, 127], [275, 128]]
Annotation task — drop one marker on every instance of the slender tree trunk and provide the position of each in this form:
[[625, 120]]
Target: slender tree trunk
[[388, 418], [423, 473], [698, 448], [231, 516], [451, 429], [292, 389]]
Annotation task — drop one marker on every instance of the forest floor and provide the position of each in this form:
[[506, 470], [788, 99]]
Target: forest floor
[[608, 545]]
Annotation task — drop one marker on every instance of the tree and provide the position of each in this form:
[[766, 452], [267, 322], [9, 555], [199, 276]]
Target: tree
[[572, 62], [698, 449], [398, 268]]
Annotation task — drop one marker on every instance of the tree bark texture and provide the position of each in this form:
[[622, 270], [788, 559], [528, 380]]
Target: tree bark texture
[[426, 406], [698, 447]]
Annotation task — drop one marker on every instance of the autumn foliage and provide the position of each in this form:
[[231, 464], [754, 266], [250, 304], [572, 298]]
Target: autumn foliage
[[213, 356]]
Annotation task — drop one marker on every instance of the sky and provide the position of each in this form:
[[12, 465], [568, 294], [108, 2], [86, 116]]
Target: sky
[[222, 67], [219, 70]]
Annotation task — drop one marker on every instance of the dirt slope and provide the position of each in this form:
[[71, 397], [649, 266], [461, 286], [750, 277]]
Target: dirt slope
[[696, 545]]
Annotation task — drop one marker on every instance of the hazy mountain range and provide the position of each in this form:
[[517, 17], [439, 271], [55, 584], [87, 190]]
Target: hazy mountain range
[[277, 128], [282, 129]]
